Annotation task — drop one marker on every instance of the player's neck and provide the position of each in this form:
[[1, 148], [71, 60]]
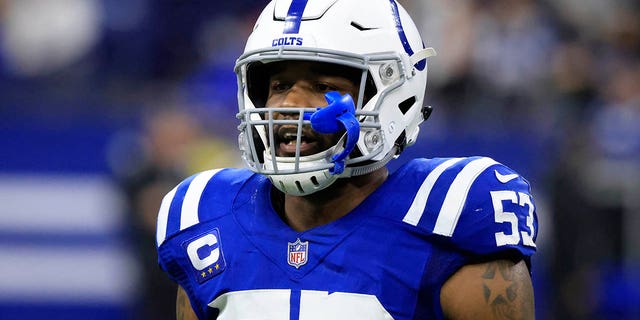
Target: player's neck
[[322, 207]]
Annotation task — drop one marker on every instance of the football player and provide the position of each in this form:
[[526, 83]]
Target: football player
[[316, 227]]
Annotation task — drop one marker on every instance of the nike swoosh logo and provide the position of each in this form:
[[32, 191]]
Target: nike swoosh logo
[[504, 178]]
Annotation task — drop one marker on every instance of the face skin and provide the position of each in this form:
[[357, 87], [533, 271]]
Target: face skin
[[299, 84]]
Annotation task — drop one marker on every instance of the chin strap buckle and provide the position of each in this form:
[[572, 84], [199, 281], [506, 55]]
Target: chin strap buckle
[[338, 115]]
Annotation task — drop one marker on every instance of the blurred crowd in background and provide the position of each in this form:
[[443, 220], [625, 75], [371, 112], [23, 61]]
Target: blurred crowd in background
[[142, 93]]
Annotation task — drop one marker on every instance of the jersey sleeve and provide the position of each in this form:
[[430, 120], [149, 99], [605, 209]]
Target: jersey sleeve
[[187, 243], [179, 208], [478, 206]]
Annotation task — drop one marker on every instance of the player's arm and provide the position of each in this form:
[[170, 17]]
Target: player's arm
[[498, 289], [183, 306]]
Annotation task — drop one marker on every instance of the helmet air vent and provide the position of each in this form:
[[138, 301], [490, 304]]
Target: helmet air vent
[[405, 105], [299, 186]]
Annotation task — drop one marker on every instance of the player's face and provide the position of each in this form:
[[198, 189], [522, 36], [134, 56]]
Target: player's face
[[299, 84]]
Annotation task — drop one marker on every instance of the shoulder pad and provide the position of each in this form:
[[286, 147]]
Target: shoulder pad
[[477, 205], [203, 196]]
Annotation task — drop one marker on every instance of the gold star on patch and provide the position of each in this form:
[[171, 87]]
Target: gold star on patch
[[217, 266], [203, 274], [210, 270]]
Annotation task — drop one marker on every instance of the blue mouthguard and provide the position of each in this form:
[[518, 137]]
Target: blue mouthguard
[[339, 114]]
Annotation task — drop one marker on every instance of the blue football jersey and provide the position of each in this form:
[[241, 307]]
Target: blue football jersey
[[220, 238]]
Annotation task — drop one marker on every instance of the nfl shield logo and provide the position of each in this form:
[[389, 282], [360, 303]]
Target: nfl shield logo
[[297, 253]]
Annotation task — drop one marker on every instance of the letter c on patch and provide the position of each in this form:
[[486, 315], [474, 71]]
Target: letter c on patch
[[208, 241]]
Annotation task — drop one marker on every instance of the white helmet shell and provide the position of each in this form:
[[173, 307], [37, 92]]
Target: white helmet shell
[[376, 37]]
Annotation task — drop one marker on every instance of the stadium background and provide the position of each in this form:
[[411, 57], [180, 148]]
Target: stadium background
[[105, 104]]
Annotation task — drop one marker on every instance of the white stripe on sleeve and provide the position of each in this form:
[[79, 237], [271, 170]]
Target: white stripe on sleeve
[[163, 216], [414, 214], [457, 195], [189, 213]]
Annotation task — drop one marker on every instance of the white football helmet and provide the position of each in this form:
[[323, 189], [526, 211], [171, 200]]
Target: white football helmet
[[379, 40]]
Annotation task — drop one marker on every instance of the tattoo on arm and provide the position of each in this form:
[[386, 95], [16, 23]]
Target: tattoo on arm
[[506, 296]]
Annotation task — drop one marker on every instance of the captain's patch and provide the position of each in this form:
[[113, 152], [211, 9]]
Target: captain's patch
[[205, 254]]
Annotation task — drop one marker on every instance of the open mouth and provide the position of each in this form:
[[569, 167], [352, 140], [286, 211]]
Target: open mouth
[[287, 142]]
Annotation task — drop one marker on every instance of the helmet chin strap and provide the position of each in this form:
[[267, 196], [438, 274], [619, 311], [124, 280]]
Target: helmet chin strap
[[338, 115]]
